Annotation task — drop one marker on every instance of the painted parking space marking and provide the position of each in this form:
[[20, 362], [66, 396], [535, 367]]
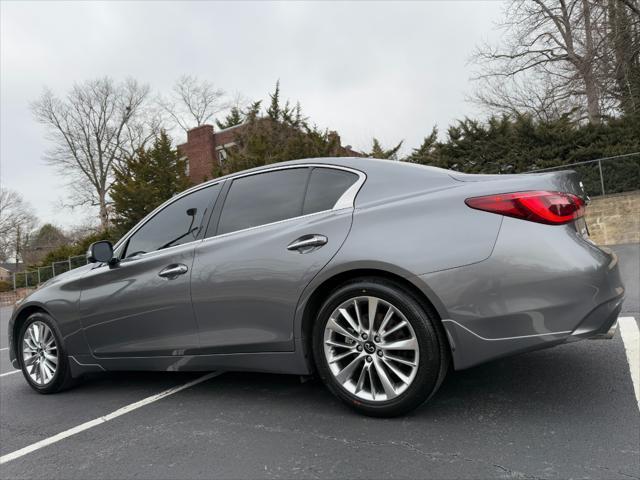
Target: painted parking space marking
[[5, 348], [100, 420], [631, 338], [10, 373]]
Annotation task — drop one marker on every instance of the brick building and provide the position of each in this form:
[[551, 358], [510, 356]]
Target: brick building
[[204, 148]]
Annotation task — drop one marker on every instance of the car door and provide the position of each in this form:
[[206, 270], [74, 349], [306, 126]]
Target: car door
[[276, 231], [141, 306]]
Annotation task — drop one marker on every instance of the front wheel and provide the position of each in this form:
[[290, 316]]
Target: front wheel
[[44, 362], [378, 349]]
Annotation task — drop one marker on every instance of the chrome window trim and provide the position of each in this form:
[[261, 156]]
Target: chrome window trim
[[346, 200]]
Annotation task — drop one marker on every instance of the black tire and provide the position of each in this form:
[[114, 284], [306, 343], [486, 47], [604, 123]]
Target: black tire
[[433, 350], [62, 378]]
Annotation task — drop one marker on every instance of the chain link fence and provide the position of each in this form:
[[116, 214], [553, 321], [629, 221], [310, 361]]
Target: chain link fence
[[38, 275], [604, 176]]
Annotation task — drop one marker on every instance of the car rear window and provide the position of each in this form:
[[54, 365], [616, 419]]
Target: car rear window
[[326, 186]]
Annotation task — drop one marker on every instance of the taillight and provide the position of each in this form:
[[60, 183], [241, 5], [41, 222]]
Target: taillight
[[552, 208]]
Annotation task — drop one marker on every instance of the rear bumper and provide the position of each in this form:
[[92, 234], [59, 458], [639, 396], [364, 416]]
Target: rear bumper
[[601, 323], [609, 334], [542, 286]]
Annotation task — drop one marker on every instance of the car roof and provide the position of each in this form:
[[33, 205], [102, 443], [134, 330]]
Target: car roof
[[364, 164]]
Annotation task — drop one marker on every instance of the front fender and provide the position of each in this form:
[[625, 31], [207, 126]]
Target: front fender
[[60, 300]]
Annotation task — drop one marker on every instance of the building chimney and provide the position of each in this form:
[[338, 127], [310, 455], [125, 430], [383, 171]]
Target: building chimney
[[200, 153]]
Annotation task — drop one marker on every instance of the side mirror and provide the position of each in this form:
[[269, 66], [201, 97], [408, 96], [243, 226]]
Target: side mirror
[[100, 252]]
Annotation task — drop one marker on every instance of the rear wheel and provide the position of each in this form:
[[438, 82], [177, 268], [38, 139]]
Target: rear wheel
[[377, 348], [44, 362]]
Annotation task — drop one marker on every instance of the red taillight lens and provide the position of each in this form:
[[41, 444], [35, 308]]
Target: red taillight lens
[[552, 208]]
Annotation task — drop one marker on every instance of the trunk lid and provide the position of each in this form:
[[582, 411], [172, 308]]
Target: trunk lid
[[566, 181]]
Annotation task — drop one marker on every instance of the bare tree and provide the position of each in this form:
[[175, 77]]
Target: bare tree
[[194, 102], [551, 60], [95, 126], [17, 220], [624, 61]]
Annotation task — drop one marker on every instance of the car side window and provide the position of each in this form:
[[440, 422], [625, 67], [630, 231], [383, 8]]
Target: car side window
[[326, 186], [263, 198], [176, 224]]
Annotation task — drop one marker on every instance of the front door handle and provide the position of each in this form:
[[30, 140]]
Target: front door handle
[[307, 243], [173, 270]]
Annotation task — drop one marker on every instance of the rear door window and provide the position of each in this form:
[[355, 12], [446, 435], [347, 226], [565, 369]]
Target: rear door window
[[263, 198]]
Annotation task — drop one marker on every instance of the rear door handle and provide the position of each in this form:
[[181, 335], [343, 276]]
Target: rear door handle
[[173, 270], [308, 243]]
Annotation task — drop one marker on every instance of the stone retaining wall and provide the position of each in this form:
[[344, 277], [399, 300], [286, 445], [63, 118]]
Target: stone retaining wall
[[615, 219]]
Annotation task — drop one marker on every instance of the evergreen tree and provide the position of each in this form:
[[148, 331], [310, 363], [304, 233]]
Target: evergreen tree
[[277, 134], [520, 144], [233, 118], [274, 110], [424, 152], [378, 152], [147, 179]]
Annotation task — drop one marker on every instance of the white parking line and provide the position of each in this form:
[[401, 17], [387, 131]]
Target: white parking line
[[631, 339], [92, 423], [10, 373], [5, 348]]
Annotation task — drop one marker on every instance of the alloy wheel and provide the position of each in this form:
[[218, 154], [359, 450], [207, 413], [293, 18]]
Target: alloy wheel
[[40, 353], [371, 348]]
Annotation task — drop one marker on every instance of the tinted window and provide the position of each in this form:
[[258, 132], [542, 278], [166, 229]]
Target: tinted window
[[175, 224], [263, 198], [325, 188]]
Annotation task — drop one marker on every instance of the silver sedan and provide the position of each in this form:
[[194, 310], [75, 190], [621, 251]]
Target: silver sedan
[[378, 276]]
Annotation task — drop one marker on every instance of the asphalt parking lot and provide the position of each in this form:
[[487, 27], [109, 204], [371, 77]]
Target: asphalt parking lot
[[566, 412]]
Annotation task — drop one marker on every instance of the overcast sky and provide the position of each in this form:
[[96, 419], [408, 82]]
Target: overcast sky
[[386, 69]]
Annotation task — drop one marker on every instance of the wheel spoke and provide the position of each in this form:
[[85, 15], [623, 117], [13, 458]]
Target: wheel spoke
[[397, 372], [333, 325], [346, 372], [396, 327], [51, 358], [350, 320], [386, 319], [337, 358], [29, 343], [373, 387], [389, 390], [373, 308], [358, 316], [30, 360], [46, 333], [333, 343], [403, 361], [50, 366], [43, 377], [364, 373], [32, 335], [408, 344], [36, 332]]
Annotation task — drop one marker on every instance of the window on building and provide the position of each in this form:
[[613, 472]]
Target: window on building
[[222, 156]]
